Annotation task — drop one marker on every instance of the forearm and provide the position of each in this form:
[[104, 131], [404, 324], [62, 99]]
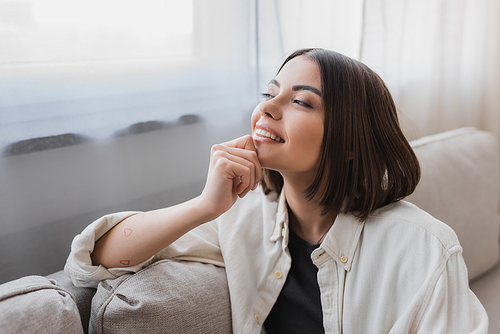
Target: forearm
[[140, 236]]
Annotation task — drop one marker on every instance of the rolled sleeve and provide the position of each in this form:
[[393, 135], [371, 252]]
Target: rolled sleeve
[[200, 244], [79, 263]]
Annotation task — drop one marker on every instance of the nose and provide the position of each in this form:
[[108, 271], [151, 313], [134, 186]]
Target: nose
[[270, 108]]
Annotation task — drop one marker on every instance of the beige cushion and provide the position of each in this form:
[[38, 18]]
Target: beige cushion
[[460, 186], [35, 304], [166, 297], [82, 296], [487, 289]]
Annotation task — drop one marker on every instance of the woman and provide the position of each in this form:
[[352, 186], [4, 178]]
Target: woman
[[324, 244]]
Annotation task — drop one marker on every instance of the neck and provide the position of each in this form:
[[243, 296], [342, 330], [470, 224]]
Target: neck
[[305, 215]]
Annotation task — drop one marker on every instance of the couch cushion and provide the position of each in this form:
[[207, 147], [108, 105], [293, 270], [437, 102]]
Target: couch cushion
[[460, 186], [82, 296], [166, 297], [487, 289], [35, 304]]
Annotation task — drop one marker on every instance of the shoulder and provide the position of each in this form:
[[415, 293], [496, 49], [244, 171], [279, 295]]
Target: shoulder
[[401, 242], [407, 220]]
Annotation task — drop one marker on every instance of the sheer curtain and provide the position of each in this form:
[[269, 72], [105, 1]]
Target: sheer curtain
[[440, 58], [95, 67], [98, 71], [288, 25]]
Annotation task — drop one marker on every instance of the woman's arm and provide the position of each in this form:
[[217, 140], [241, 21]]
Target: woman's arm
[[137, 238], [234, 170]]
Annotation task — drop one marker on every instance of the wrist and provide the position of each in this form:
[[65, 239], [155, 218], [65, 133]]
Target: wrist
[[206, 210]]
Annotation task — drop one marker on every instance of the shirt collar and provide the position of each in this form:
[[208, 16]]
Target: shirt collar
[[281, 223], [340, 242]]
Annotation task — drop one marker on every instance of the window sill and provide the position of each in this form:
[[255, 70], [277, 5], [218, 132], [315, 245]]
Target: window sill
[[70, 139]]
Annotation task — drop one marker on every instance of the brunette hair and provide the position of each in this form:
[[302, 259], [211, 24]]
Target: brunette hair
[[366, 159]]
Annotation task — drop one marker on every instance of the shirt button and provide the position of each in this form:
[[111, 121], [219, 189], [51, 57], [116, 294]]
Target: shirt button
[[278, 274], [257, 318], [343, 259]]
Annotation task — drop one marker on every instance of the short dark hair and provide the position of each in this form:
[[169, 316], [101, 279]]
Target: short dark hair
[[366, 159]]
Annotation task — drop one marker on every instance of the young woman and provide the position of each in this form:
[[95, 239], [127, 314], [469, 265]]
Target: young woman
[[324, 244]]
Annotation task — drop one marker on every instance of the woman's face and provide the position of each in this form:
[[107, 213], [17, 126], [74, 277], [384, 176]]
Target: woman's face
[[292, 114]]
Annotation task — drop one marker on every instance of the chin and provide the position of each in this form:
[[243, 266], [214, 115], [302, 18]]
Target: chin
[[273, 160], [266, 162], [270, 164]]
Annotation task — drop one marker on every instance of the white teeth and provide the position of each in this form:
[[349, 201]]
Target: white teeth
[[269, 135]]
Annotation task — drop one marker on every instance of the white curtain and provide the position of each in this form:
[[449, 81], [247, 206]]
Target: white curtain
[[440, 58], [96, 67], [288, 25]]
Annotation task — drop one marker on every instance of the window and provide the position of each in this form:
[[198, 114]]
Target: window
[[96, 67]]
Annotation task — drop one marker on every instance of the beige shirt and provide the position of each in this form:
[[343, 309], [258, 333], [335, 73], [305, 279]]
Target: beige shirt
[[401, 271]]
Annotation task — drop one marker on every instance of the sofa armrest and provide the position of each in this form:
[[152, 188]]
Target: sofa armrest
[[166, 297], [35, 304], [82, 296]]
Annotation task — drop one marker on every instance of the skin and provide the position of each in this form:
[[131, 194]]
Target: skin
[[293, 108], [296, 116], [293, 111]]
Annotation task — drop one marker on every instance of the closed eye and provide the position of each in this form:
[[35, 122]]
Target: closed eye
[[302, 103], [299, 102]]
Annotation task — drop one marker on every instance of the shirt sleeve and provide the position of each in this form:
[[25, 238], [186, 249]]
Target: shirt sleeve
[[450, 306], [200, 244]]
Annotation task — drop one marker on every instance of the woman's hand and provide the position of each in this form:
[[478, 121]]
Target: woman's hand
[[234, 170]]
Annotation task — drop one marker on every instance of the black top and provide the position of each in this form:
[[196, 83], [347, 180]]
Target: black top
[[298, 308]]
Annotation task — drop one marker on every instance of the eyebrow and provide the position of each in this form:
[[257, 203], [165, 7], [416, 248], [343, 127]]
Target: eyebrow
[[298, 87]]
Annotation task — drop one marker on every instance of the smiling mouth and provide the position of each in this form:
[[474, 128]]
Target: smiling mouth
[[264, 133]]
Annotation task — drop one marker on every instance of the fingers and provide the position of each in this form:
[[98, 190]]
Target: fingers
[[249, 152], [238, 174], [241, 170], [245, 142], [248, 180], [240, 164], [249, 156]]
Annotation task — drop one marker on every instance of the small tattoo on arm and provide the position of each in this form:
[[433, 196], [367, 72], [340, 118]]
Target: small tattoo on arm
[[127, 232], [125, 262]]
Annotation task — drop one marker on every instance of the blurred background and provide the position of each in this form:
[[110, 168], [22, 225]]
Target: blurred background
[[109, 105]]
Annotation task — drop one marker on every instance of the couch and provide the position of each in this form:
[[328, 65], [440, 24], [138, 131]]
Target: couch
[[459, 185]]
